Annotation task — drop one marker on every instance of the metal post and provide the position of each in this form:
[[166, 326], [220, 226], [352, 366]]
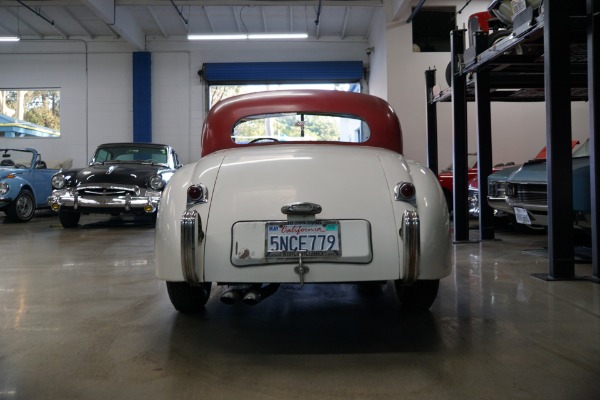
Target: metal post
[[459, 125], [432, 134], [558, 141], [484, 141], [593, 46]]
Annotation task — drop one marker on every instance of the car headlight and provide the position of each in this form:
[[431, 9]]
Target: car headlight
[[473, 197], [156, 182], [4, 187], [58, 181]]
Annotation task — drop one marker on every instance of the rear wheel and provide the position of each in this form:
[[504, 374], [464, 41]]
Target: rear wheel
[[22, 208], [188, 299], [69, 218], [497, 36], [419, 296]]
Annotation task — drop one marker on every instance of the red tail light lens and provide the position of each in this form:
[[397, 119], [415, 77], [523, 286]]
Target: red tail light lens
[[197, 194], [404, 191]]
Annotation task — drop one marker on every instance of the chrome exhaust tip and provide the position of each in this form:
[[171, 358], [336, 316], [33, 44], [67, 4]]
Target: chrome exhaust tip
[[259, 293], [231, 296], [252, 298]]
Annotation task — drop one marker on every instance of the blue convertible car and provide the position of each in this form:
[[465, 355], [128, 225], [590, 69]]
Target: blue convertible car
[[24, 183]]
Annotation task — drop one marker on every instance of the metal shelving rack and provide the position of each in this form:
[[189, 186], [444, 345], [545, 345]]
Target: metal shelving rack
[[557, 62]]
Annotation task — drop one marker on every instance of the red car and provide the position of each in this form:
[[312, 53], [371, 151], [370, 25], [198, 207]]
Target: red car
[[446, 178]]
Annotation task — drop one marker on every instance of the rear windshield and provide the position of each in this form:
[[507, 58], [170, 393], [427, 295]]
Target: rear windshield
[[300, 127]]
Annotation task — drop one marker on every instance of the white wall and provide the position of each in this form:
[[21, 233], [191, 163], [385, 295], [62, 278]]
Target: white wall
[[96, 82], [518, 129], [378, 68], [65, 72]]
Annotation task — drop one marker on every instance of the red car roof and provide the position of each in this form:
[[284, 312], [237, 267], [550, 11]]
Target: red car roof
[[383, 122]]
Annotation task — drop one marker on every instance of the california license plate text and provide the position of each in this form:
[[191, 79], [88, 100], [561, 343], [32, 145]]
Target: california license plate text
[[312, 240]]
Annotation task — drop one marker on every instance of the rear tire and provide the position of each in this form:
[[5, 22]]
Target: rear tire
[[419, 296], [22, 208], [69, 218], [497, 36], [188, 299]]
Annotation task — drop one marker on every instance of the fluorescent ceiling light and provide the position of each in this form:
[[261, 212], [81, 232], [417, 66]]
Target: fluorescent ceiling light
[[9, 39], [218, 37], [249, 36], [278, 36]]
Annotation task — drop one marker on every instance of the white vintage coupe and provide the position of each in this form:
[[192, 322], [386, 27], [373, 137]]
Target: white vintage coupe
[[301, 187]]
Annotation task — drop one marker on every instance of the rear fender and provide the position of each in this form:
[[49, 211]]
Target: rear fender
[[434, 223], [175, 217]]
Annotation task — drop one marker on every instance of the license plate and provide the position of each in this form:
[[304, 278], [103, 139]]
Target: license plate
[[522, 216], [311, 239]]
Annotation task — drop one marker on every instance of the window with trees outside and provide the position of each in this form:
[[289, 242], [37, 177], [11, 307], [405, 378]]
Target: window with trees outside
[[29, 113], [300, 127]]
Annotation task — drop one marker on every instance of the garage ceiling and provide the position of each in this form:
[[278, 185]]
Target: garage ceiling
[[139, 21]]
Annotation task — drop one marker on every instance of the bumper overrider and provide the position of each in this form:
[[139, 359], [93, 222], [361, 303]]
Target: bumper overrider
[[105, 196]]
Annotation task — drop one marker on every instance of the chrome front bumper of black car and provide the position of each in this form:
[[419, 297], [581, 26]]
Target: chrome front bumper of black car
[[105, 196]]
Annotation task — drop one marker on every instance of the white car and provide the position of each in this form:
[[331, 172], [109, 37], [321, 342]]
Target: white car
[[301, 187]]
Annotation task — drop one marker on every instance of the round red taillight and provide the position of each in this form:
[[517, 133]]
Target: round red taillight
[[195, 193], [405, 191]]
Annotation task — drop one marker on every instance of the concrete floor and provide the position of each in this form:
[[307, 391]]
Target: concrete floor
[[83, 317]]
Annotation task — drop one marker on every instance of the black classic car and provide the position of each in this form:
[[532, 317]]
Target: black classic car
[[121, 178]]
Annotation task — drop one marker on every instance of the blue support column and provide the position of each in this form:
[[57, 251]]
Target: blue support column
[[142, 97]]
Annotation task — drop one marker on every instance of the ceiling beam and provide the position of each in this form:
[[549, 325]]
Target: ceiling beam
[[236, 16], [264, 19], [76, 22], [124, 3], [157, 22], [7, 31], [120, 20], [23, 22], [212, 27], [346, 16], [400, 9], [341, 3]]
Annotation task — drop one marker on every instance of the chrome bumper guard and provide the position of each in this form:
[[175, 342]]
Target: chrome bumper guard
[[191, 236], [410, 233]]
